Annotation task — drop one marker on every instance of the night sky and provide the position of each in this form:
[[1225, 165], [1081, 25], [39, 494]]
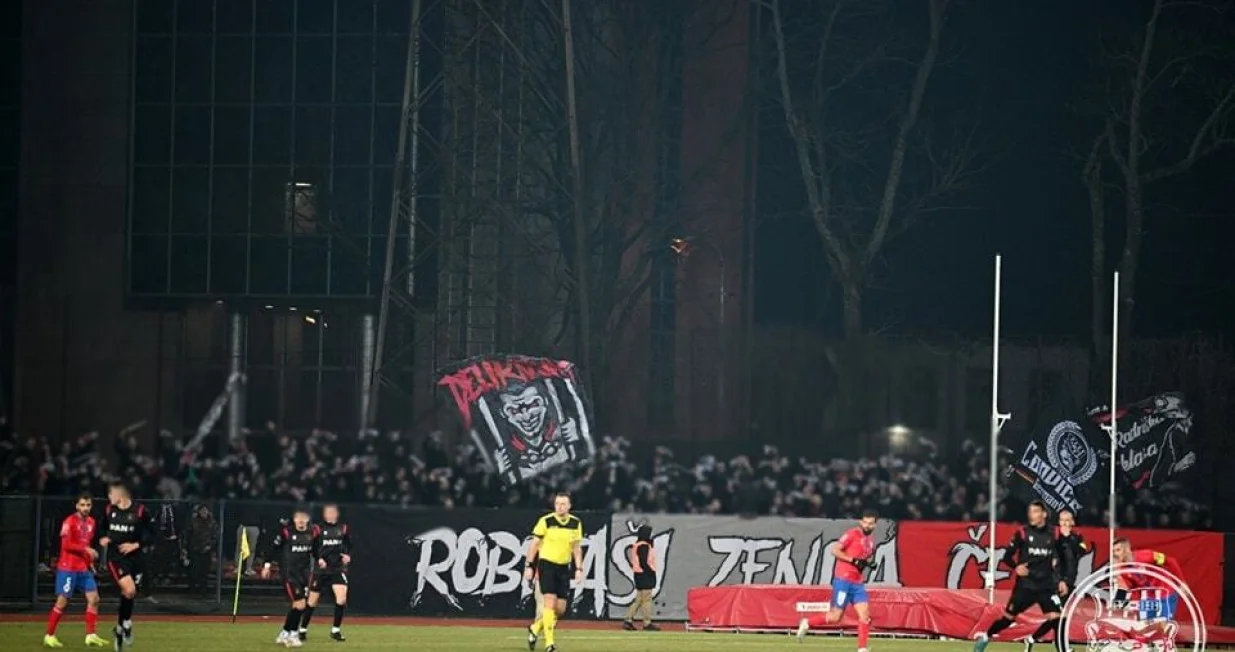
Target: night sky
[[1026, 64]]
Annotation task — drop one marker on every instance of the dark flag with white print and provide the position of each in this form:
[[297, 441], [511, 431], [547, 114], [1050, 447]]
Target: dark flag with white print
[[1061, 462], [1155, 445], [526, 415]]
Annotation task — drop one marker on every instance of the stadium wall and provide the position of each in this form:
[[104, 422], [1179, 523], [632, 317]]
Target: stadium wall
[[418, 561]]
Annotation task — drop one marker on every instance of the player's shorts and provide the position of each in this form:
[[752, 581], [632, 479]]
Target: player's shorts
[[68, 582], [554, 578], [122, 566], [319, 582], [845, 593], [645, 581], [297, 586], [1156, 604], [1024, 597]]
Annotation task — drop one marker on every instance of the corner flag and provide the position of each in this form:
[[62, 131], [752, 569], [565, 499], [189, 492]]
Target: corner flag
[[245, 553]]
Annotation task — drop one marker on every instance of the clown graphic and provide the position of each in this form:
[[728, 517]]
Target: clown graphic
[[539, 438]]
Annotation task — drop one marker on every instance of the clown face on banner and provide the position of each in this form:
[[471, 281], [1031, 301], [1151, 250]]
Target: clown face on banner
[[527, 415]]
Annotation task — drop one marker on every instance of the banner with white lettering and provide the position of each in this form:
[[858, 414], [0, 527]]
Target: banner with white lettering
[[1155, 444], [461, 562], [698, 550], [1062, 459]]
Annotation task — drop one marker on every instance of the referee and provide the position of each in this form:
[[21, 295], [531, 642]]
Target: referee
[[557, 538], [1033, 554]]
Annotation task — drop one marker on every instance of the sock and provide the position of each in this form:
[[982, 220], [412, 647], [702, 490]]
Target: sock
[[998, 626], [1045, 628], [864, 634], [550, 619], [292, 621], [53, 620], [124, 615], [92, 620], [538, 626], [338, 617], [308, 615]]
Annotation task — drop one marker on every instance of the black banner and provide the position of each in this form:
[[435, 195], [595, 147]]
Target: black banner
[[1155, 443], [460, 562], [527, 415], [1062, 461]]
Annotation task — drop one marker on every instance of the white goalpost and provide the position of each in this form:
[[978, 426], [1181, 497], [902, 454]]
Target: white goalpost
[[997, 422], [1112, 430]]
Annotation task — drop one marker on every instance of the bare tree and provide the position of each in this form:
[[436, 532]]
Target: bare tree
[[868, 178], [1170, 99]]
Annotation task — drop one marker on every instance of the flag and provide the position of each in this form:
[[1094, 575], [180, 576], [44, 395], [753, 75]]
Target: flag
[[526, 415], [1155, 443], [245, 552], [1061, 461]]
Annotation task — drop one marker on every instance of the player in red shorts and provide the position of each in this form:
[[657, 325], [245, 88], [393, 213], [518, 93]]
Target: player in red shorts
[[854, 552], [75, 572]]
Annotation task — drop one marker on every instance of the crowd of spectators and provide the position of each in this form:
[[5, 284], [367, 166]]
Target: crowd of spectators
[[392, 468]]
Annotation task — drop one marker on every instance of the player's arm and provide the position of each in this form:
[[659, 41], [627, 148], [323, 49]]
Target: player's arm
[[274, 549], [839, 548], [103, 529], [576, 548], [315, 549], [145, 528], [1168, 564], [345, 547], [1012, 554], [533, 547]]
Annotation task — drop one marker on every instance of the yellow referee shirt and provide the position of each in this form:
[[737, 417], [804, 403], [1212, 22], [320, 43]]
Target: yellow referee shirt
[[558, 536]]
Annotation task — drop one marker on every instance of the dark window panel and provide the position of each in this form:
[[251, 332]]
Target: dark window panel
[[394, 16], [190, 200], [350, 203], [275, 16], [230, 208], [151, 199], [194, 16], [302, 395], [268, 265], [152, 66], [8, 202], [312, 135], [354, 69], [262, 399], [273, 59], [349, 267], [148, 264], [201, 384], [313, 72], [231, 135], [272, 135], [10, 138], [383, 186], [339, 412], [336, 340], [152, 137], [228, 265], [260, 347], [315, 16], [352, 126], [192, 135], [233, 77], [193, 75], [310, 267], [386, 134], [269, 199], [153, 16], [355, 16], [233, 16], [377, 259], [189, 258], [390, 59]]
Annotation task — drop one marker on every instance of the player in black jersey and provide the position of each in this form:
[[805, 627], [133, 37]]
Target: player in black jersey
[[127, 535], [1070, 546], [1033, 556], [292, 545], [332, 547]]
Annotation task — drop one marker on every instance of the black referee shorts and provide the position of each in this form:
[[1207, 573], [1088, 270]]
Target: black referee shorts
[[1024, 597], [554, 578]]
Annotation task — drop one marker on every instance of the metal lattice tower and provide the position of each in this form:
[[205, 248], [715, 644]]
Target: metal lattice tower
[[482, 117]]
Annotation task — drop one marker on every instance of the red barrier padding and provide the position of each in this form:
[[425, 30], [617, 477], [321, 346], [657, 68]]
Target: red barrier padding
[[959, 614]]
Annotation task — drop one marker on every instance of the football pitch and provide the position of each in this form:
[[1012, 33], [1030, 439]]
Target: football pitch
[[211, 636]]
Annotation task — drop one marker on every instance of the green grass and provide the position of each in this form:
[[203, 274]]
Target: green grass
[[215, 637]]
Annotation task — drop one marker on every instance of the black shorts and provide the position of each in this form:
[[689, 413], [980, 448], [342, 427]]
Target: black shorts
[[1024, 597], [324, 580], [297, 585], [645, 581], [121, 566], [554, 578]]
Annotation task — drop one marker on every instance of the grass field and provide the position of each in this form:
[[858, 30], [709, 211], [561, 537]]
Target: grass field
[[197, 636]]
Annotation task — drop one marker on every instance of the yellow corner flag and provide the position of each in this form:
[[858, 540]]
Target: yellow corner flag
[[245, 553]]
